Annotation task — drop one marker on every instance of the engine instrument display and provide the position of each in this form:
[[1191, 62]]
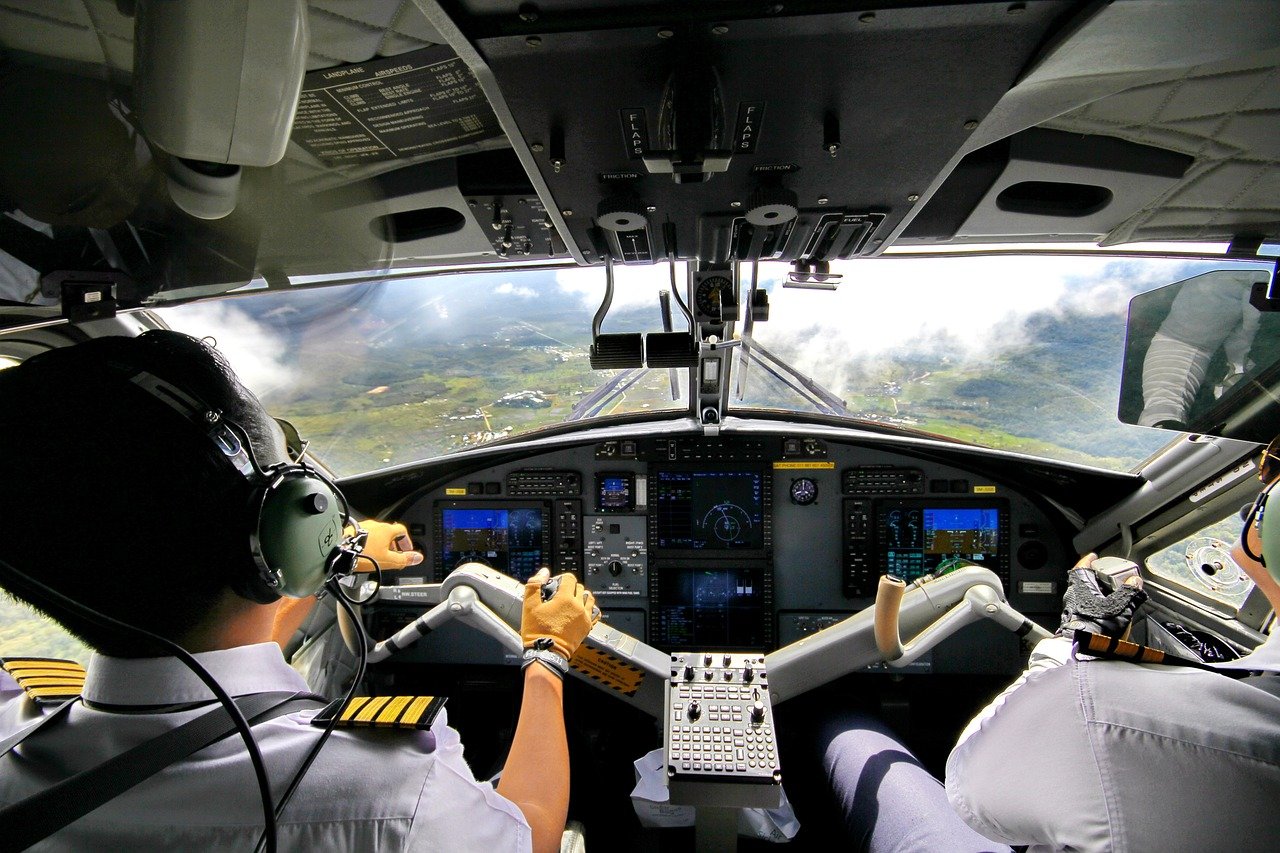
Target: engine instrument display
[[915, 536], [511, 539], [703, 510]]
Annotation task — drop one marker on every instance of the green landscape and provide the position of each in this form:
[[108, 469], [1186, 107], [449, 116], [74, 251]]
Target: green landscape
[[26, 633]]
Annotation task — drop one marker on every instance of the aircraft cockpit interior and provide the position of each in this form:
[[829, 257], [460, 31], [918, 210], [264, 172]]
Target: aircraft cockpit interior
[[817, 340]]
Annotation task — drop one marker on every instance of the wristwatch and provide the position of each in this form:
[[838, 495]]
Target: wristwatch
[[541, 652]]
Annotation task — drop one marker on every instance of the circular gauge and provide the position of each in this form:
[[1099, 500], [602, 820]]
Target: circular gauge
[[710, 295], [804, 491]]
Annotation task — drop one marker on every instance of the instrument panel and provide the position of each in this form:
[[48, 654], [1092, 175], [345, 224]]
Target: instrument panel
[[736, 543]]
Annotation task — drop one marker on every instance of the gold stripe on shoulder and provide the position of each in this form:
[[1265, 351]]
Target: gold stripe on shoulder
[[416, 709], [352, 707], [50, 694], [371, 709], [16, 665], [391, 714]]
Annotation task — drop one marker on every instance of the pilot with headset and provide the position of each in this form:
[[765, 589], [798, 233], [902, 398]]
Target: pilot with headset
[[151, 509], [1086, 754]]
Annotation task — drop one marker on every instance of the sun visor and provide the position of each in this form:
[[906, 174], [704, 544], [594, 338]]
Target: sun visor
[[1043, 182]]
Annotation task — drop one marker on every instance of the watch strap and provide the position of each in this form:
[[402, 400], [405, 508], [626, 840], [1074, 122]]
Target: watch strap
[[555, 662]]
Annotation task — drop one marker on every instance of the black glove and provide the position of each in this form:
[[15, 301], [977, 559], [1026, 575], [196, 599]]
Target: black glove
[[1085, 606]]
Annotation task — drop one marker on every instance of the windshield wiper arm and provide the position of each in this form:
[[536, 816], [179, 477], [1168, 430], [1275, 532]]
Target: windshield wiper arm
[[814, 393]]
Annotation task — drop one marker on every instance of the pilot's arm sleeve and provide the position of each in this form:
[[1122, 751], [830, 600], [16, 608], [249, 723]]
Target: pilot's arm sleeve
[[1023, 771], [457, 812]]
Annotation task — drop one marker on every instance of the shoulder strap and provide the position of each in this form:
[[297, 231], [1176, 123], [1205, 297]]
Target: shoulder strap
[[34, 726], [43, 814]]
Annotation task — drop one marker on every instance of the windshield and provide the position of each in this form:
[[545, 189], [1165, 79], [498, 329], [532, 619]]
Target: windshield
[[1020, 353], [381, 374], [1016, 352]]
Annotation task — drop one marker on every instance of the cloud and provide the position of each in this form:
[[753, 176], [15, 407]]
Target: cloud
[[507, 288], [961, 308], [633, 286], [258, 354]]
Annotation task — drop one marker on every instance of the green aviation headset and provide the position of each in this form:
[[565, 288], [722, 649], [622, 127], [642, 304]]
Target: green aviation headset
[[1255, 515], [296, 515]]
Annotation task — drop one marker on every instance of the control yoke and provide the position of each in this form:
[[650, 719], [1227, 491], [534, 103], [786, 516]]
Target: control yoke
[[981, 600], [929, 609]]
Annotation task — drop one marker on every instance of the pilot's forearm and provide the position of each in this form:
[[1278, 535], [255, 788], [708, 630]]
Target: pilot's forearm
[[536, 774]]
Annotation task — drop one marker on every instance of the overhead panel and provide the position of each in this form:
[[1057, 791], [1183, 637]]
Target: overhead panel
[[712, 124]]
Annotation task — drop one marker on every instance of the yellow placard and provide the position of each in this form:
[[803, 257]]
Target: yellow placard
[[803, 466], [984, 490], [456, 491], [608, 670]]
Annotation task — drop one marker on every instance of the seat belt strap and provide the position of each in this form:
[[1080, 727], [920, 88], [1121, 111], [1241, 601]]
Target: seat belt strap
[[43, 814], [19, 736]]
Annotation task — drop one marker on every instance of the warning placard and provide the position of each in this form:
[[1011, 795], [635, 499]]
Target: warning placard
[[422, 102], [608, 670]]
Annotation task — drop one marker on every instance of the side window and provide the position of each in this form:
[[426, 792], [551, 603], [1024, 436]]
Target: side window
[[1202, 562], [27, 633]]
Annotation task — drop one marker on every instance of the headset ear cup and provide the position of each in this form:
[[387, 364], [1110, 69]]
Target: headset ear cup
[[1269, 538], [299, 529], [253, 586]]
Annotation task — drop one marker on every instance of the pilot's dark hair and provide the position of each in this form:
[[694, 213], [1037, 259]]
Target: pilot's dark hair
[[114, 499]]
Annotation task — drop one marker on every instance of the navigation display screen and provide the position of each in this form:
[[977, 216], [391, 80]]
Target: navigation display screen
[[508, 539], [710, 609], [914, 537], [709, 510]]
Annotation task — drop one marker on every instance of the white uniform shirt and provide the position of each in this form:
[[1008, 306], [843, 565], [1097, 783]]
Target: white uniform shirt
[[367, 790], [1094, 755]]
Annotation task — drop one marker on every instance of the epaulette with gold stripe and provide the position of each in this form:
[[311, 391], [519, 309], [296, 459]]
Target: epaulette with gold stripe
[[382, 712], [1111, 648], [48, 681]]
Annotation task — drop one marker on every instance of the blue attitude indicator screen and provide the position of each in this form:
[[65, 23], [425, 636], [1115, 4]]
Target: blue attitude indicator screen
[[509, 540], [915, 539]]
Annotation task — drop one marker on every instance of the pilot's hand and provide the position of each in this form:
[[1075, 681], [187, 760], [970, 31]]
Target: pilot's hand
[[389, 544], [560, 622], [1086, 607]]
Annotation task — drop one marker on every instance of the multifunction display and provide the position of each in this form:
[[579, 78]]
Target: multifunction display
[[915, 538], [512, 539], [701, 510], [713, 608], [911, 538]]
